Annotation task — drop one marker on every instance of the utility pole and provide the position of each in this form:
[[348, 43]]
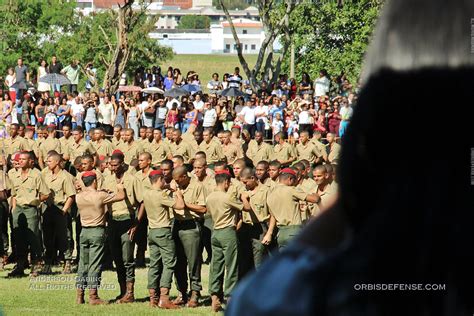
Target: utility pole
[[292, 60]]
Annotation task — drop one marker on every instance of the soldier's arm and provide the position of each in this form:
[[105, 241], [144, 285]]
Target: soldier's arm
[[119, 196], [244, 196], [179, 202], [313, 198], [68, 204], [267, 239]]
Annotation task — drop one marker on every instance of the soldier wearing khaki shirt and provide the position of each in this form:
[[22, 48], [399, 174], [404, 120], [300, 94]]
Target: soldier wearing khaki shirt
[[14, 143], [306, 150], [57, 217], [103, 147], [334, 149], [158, 202], [316, 140], [142, 176], [231, 151], [187, 232], [130, 148], [181, 147], [116, 139], [66, 140], [92, 209], [224, 212], [283, 152], [158, 149], [259, 150], [323, 189], [49, 144], [308, 186], [80, 146], [121, 222], [87, 164], [211, 147], [30, 141], [28, 190], [283, 204], [256, 232]]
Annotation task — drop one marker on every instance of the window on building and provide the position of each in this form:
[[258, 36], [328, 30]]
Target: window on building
[[253, 47], [227, 46], [162, 27], [244, 31], [246, 47], [165, 35], [169, 26]]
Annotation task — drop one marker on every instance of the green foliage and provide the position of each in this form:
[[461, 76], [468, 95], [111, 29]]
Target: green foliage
[[332, 38], [194, 22], [234, 4], [40, 29]]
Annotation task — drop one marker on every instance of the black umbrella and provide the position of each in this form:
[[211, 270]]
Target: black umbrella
[[232, 92], [55, 79], [176, 92]]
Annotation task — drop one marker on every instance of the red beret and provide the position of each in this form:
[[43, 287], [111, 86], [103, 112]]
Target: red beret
[[101, 157], [236, 126], [89, 174], [288, 170], [30, 127], [225, 171], [117, 151], [16, 157], [156, 173]]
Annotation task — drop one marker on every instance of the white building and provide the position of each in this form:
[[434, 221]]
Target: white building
[[218, 39]]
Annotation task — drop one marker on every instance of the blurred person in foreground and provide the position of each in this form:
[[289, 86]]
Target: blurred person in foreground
[[390, 225]]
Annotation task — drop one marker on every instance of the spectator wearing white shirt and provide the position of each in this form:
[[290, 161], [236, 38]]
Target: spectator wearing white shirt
[[106, 115], [261, 114], [210, 116], [77, 110], [199, 106], [346, 114], [304, 120], [247, 116], [321, 84], [277, 125]]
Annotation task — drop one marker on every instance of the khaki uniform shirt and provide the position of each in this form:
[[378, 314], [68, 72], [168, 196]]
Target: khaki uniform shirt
[[183, 148], [283, 204], [116, 143], [143, 183], [66, 144], [12, 145], [130, 151], [159, 152], [78, 149], [193, 194], [47, 145], [308, 186], [232, 152], [122, 210], [327, 196], [60, 185], [213, 151], [27, 190], [223, 210], [103, 148], [99, 177], [258, 202], [92, 206], [257, 153], [334, 152], [308, 151], [158, 204], [283, 152]]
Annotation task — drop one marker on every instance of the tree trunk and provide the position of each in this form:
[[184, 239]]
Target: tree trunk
[[121, 56]]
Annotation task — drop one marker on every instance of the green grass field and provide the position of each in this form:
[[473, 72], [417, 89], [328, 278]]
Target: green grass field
[[206, 65], [25, 296]]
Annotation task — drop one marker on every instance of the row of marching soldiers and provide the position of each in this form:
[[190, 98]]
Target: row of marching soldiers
[[239, 215]]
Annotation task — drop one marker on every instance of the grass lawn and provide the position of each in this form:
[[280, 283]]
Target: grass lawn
[[25, 296], [206, 65]]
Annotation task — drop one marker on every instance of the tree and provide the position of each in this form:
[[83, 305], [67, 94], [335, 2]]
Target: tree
[[275, 17], [39, 29], [332, 35], [234, 4], [194, 22]]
